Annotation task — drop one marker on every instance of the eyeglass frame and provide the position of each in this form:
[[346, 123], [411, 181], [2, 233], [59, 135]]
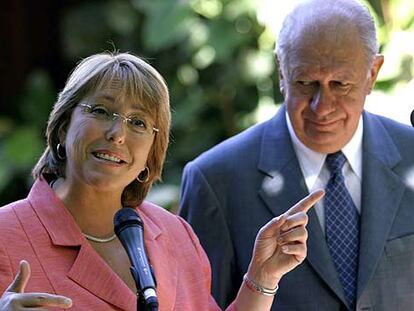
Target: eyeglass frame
[[115, 115]]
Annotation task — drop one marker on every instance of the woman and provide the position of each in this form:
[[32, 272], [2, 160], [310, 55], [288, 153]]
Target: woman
[[106, 142]]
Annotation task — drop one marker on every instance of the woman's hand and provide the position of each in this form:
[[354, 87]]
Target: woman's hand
[[281, 244], [14, 297]]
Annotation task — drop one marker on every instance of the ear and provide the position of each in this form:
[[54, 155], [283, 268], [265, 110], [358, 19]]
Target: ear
[[62, 133], [280, 74], [375, 68]]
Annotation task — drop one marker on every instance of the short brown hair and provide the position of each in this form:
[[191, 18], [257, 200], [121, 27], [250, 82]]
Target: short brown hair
[[138, 80]]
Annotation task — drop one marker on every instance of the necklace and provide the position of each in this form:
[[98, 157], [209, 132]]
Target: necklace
[[87, 236], [99, 240]]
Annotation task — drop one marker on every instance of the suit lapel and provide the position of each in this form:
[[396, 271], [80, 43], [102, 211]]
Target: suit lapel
[[280, 190], [319, 256], [382, 191], [277, 160]]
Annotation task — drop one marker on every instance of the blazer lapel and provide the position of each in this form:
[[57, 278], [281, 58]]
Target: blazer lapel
[[92, 273], [87, 268], [161, 257], [110, 287], [284, 185], [382, 192]]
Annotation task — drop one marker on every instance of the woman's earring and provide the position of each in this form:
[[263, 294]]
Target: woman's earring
[[144, 175], [61, 152]]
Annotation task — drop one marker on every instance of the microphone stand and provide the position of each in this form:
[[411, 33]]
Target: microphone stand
[[142, 304], [412, 118]]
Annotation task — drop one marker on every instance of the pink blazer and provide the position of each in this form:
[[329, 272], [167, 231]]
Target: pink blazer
[[42, 231]]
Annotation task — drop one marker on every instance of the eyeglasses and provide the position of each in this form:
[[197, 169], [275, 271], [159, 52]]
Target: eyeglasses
[[137, 124]]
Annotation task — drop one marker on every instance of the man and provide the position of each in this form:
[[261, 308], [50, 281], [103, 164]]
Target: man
[[361, 237]]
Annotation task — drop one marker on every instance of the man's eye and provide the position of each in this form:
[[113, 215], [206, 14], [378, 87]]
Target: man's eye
[[304, 83], [341, 84]]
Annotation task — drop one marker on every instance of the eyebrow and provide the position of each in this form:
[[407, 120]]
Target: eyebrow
[[136, 107], [300, 74], [341, 76], [106, 97]]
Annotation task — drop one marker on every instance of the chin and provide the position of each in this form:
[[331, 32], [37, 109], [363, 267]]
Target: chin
[[105, 183], [324, 144], [328, 147]]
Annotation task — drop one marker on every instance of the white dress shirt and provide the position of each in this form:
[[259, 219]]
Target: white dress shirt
[[317, 175]]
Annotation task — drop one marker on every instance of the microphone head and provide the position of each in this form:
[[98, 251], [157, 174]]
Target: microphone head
[[124, 218], [412, 118]]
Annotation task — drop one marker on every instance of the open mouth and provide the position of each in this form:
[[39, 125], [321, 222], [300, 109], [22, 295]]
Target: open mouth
[[107, 157]]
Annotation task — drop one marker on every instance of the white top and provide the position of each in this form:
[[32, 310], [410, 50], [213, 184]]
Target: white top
[[317, 175]]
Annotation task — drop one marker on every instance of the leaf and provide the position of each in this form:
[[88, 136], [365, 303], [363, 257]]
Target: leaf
[[38, 99], [85, 30], [167, 23], [225, 39], [122, 17], [4, 175], [23, 147]]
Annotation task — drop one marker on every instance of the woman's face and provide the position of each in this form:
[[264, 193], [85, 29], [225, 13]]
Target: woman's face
[[107, 141]]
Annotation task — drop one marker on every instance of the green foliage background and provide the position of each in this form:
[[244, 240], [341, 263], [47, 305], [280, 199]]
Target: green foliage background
[[214, 54]]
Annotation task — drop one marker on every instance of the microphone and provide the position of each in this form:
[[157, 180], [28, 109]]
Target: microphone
[[412, 118], [129, 230]]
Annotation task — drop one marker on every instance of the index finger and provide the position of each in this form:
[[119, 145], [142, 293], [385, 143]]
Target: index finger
[[307, 202]]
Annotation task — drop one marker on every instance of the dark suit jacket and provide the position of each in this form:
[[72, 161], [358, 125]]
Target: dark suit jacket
[[41, 230], [230, 191]]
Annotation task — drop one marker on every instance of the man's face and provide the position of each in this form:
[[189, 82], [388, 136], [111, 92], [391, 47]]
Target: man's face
[[325, 83]]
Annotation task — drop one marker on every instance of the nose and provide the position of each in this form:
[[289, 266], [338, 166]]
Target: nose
[[323, 101], [117, 131]]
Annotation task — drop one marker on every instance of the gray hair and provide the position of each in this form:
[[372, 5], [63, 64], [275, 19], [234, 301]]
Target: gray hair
[[333, 14], [136, 79]]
